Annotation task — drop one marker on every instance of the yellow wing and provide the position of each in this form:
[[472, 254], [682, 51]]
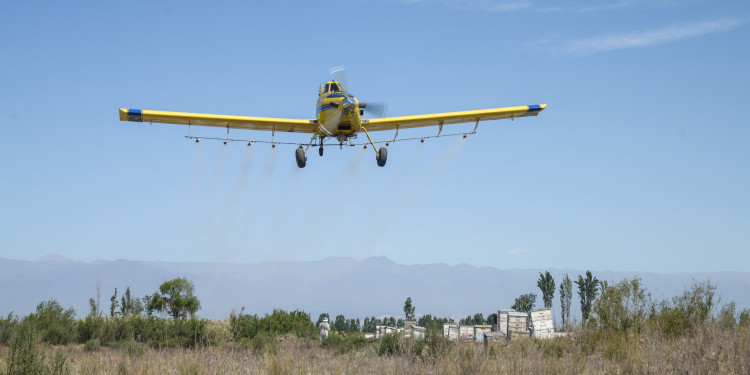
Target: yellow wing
[[223, 121], [391, 123]]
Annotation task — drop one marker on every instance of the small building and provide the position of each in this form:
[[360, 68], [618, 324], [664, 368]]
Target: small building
[[480, 331], [544, 326], [466, 332], [417, 332], [450, 330], [407, 327], [381, 331], [517, 322]]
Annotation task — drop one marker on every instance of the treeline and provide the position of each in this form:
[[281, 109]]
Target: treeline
[[625, 307]]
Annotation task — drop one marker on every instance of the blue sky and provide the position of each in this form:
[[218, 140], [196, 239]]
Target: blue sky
[[639, 162]]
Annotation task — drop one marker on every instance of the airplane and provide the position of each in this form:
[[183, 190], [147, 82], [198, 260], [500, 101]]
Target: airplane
[[339, 115]]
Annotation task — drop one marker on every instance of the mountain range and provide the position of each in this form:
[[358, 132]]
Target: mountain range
[[355, 288]]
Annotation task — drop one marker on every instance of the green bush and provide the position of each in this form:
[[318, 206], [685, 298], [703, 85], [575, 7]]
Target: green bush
[[687, 312], [744, 318], [623, 308], [278, 323], [7, 327], [437, 344], [133, 348], [25, 355], [390, 344], [92, 345], [341, 344], [56, 325], [263, 343]]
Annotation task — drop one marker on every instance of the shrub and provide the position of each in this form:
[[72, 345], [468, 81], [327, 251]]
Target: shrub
[[437, 345], [686, 313], [92, 345], [744, 318], [133, 348], [279, 323], [726, 318], [390, 344], [341, 344], [623, 308], [26, 357], [55, 324], [263, 343], [7, 326]]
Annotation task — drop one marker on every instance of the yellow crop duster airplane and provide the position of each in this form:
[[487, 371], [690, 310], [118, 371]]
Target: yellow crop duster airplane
[[338, 115]]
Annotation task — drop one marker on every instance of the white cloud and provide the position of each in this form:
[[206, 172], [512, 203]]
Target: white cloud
[[383, 248], [611, 42], [498, 6], [609, 6], [517, 251]]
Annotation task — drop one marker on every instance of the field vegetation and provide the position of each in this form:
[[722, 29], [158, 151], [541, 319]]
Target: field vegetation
[[626, 332]]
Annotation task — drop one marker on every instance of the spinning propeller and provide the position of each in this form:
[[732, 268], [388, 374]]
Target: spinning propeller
[[376, 109]]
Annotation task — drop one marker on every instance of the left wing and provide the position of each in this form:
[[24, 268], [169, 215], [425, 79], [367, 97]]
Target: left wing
[[391, 123], [223, 121]]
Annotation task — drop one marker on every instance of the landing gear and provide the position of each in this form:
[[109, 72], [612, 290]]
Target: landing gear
[[382, 156], [320, 150], [300, 156]]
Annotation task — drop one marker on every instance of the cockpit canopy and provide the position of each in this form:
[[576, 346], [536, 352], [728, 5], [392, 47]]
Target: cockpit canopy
[[332, 86]]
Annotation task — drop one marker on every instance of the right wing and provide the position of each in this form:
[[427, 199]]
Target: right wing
[[392, 123], [222, 121]]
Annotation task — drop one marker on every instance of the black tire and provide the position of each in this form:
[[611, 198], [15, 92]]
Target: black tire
[[382, 156], [320, 151], [300, 156]]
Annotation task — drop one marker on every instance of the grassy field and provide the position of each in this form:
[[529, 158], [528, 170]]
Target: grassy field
[[712, 350], [627, 332]]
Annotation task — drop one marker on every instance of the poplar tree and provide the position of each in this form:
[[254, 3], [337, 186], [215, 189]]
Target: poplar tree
[[566, 295], [408, 309], [587, 291], [547, 284]]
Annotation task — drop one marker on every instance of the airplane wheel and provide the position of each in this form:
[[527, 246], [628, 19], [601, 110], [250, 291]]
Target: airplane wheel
[[301, 159], [382, 156], [320, 151]]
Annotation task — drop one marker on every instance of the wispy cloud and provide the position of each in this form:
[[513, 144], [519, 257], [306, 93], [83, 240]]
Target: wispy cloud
[[517, 251], [611, 42], [498, 6], [383, 248], [608, 6]]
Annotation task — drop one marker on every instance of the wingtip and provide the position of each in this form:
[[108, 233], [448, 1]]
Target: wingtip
[[127, 114], [123, 114]]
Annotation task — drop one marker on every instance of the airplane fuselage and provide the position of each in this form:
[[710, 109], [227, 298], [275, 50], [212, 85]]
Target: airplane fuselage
[[338, 113]]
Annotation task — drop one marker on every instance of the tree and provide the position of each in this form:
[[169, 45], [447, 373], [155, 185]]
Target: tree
[[547, 284], [130, 306], [566, 295], [525, 303], [587, 291], [478, 319], [492, 319], [623, 307], [176, 299], [340, 324], [408, 309], [114, 304]]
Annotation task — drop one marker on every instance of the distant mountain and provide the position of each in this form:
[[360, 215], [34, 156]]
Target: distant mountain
[[371, 287]]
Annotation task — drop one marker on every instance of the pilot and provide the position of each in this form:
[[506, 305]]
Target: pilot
[[324, 328]]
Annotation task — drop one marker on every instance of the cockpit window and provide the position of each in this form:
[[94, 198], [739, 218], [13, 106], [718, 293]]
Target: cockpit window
[[328, 85], [335, 87]]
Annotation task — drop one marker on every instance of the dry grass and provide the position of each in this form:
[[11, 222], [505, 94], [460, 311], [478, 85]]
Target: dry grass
[[710, 351]]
